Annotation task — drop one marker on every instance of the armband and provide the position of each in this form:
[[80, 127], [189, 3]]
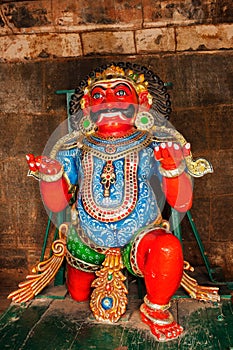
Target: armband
[[173, 172], [51, 178]]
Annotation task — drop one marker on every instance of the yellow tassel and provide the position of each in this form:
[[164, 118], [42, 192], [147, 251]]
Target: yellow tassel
[[194, 290], [43, 273]]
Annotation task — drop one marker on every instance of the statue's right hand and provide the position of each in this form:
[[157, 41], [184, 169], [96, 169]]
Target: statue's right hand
[[43, 164]]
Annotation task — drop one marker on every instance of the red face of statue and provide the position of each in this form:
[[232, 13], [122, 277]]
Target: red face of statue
[[113, 105]]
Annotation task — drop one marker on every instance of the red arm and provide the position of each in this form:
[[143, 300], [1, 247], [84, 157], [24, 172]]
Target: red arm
[[55, 194], [177, 184], [178, 192]]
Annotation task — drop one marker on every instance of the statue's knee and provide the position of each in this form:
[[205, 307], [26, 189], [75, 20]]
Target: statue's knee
[[159, 247], [166, 256], [167, 243], [157, 240]]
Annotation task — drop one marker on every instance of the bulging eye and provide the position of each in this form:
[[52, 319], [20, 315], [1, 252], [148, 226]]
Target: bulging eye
[[97, 95], [121, 93]]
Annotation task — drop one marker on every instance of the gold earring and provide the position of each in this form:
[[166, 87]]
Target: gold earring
[[86, 125], [144, 121]]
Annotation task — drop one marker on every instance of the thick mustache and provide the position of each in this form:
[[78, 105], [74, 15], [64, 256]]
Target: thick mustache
[[128, 112]]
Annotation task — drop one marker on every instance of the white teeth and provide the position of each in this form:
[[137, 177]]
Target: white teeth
[[110, 115]]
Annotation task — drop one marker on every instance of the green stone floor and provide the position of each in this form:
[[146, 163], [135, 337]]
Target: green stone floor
[[61, 323]]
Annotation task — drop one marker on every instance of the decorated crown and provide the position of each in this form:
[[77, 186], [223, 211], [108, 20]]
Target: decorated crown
[[111, 72]]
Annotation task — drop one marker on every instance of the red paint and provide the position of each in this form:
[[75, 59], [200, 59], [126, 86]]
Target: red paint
[[55, 194], [160, 258], [79, 283], [178, 191], [111, 97]]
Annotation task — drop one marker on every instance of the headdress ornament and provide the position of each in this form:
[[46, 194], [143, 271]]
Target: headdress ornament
[[138, 80]]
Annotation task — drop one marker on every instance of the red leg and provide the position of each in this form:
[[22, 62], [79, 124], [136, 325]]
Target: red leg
[[79, 283], [160, 258]]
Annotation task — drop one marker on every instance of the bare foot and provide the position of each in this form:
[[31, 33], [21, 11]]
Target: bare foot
[[161, 323]]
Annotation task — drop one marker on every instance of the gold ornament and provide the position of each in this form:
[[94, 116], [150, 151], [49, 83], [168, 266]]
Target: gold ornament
[[43, 273], [108, 300], [137, 80], [108, 177], [195, 290], [196, 168], [144, 121], [86, 125]]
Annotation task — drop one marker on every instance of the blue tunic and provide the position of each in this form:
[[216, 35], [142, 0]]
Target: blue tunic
[[112, 221]]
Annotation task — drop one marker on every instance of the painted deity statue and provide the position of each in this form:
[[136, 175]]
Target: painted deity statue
[[102, 169]]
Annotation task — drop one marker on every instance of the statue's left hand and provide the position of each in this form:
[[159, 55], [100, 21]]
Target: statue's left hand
[[170, 154], [43, 164]]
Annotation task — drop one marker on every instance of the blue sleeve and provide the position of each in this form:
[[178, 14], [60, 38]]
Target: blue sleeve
[[70, 159]]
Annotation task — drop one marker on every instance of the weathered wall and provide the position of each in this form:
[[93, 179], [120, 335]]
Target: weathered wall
[[49, 45]]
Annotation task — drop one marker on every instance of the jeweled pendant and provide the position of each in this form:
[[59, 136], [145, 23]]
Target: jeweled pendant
[[108, 299]]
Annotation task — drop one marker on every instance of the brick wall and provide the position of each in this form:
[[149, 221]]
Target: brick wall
[[49, 45]]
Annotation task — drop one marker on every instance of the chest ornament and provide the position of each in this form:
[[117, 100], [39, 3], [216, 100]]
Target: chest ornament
[[116, 148], [108, 177], [129, 199]]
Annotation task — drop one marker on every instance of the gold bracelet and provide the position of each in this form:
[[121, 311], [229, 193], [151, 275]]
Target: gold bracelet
[[156, 307], [51, 178], [157, 321], [173, 172]]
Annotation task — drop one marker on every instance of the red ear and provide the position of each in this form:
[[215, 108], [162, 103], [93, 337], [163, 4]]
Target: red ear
[[85, 103], [144, 101]]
